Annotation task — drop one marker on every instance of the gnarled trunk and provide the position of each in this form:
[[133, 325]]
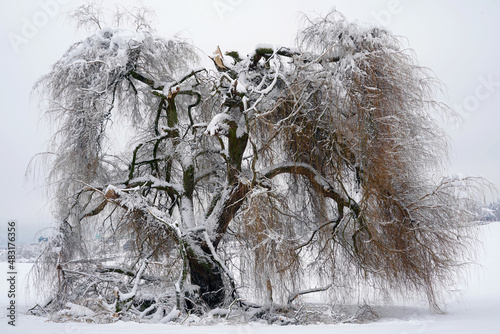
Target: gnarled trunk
[[206, 273]]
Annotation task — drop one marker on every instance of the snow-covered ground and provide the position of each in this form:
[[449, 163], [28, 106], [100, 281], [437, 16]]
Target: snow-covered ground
[[474, 309]]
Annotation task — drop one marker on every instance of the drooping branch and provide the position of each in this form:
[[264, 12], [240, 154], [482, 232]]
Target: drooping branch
[[315, 178], [335, 225]]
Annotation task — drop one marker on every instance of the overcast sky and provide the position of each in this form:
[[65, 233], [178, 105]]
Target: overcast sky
[[458, 40]]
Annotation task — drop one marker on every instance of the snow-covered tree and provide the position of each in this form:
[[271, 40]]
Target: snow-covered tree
[[259, 179]]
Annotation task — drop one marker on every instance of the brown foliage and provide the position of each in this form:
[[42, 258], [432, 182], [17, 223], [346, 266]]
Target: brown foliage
[[359, 114]]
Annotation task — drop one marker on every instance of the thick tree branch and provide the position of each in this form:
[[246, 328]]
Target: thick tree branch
[[315, 178], [226, 208], [157, 87]]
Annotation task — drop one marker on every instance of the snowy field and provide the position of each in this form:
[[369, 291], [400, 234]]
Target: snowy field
[[474, 309]]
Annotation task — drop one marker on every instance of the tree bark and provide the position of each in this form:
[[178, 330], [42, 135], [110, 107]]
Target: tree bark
[[206, 274]]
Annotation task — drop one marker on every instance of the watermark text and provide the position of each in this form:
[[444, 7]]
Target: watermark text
[[11, 273], [30, 26], [222, 7]]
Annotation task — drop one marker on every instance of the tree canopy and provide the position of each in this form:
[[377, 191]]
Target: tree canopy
[[263, 178]]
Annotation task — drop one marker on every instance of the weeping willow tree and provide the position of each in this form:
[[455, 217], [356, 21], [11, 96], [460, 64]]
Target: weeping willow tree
[[286, 172]]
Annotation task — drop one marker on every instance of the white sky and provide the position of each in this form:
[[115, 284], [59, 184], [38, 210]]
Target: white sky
[[458, 40]]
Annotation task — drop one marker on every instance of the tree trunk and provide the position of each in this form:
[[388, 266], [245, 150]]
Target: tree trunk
[[205, 273]]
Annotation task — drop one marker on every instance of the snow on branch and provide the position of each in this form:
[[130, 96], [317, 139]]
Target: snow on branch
[[294, 295], [272, 166], [314, 177]]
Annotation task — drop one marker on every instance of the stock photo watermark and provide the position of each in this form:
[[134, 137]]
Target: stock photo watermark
[[485, 89], [223, 7], [30, 26], [11, 273], [384, 16]]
